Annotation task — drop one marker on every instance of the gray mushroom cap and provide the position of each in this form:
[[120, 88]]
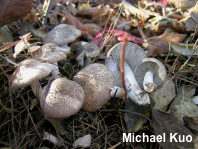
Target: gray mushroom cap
[[63, 98], [50, 53], [96, 81], [133, 56], [31, 70], [155, 66], [84, 49], [63, 34]]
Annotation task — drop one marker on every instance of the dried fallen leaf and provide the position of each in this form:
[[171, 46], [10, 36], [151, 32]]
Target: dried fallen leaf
[[71, 20], [166, 125], [163, 95], [192, 124], [90, 12], [185, 49], [119, 35], [84, 141], [133, 121], [182, 4], [160, 44], [22, 44], [163, 25], [183, 105], [191, 22], [12, 10]]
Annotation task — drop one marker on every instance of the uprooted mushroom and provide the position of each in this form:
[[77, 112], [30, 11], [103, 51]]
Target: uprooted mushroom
[[150, 74], [133, 55]]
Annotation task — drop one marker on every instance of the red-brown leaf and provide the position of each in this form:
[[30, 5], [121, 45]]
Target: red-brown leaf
[[12, 10]]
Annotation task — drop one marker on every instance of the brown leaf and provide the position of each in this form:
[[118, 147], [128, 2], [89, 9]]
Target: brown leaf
[[166, 124], [159, 44], [90, 12], [71, 20], [182, 4], [103, 17], [163, 25], [13, 10], [191, 22], [192, 124]]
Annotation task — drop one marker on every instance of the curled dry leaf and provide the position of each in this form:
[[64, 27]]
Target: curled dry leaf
[[90, 12], [192, 124], [119, 35], [165, 124], [71, 20], [163, 25], [92, 29], [13, 10], [183, 105], [191, 22], [140, 14], [163, 95], [182, 4], [84, 141], [22, 44], [160, 45], [103, 17], [185, 49], [133, 121]]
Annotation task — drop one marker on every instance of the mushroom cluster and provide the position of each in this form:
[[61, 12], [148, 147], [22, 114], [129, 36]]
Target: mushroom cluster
[[139, 72], [84, 49], [132, 57]]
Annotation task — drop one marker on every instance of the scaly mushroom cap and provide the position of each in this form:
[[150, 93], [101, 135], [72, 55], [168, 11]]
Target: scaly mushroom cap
[[29, 71], [63, 99], [63, 34], [153, 65], [49, 53], [96, 81], [133, 55]]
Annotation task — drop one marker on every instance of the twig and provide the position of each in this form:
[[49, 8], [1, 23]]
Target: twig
[[122, 65], [30, 116], [8, 60]]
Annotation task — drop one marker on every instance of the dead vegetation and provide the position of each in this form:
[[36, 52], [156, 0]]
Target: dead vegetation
[[166, 30]]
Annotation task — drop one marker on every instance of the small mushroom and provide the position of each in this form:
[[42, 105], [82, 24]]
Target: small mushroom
[[96, 81], [62, 98], [62, 34], [29, 72], [85, 49], [50, 53], [150, 74], [133, 55]]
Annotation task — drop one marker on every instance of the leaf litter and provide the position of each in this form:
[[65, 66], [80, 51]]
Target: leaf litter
[[166, 30]]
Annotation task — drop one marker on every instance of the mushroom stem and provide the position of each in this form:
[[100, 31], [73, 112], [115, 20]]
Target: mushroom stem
[[134, 91], [36, 88], [56, 74], [51, 138], [117, 92], [148, 81]]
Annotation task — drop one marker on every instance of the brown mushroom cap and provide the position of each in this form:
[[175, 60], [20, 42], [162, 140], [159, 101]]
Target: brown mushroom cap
[[133, 55], [155, 66], [31, 70], [62, 34], [49, 53], [96, 81], [64, 98]]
